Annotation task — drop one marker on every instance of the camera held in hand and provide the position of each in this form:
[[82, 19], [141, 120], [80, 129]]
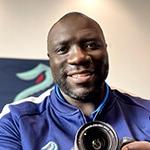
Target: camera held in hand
[[98, 135]]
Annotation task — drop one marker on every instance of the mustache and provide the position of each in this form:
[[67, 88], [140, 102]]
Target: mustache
[[70, 70]]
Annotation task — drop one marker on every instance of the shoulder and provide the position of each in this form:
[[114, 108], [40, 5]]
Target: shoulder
[[26, 106], [132, 100]]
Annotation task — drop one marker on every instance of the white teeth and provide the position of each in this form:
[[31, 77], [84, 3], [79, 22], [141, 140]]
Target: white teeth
[[76, 76]]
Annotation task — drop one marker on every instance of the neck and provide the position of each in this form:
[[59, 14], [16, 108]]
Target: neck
[[86, 107]]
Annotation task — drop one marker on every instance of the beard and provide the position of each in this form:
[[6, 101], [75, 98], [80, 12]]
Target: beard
[[87, 94], [87, 91]]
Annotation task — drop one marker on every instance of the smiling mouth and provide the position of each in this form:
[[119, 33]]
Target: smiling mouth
[[81, 77]]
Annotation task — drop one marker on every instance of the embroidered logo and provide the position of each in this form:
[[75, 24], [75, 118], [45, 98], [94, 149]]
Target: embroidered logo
[[50, 146]]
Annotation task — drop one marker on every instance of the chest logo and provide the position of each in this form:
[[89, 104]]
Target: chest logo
[[50, 146]]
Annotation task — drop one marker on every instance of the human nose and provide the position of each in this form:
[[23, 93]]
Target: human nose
[[78, 56]]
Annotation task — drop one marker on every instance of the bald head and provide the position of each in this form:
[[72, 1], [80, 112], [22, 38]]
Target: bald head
[[71, 15], [70, 20]]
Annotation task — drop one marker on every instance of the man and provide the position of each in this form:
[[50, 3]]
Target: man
[[79, 62]]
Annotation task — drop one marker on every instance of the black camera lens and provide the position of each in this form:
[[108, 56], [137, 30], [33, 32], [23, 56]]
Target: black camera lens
[[95, 139], [96, 136]]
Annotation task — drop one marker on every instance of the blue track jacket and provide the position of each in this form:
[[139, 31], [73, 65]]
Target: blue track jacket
[[50, 123]]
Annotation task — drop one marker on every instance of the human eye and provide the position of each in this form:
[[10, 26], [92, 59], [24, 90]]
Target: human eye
[[62, 50], [92, 45]]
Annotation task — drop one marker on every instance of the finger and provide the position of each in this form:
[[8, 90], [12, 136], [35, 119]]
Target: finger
[[137, 145]]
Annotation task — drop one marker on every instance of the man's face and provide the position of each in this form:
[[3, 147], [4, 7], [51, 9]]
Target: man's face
[[78, 57]]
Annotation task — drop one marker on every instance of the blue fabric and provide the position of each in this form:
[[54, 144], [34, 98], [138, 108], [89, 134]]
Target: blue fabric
[[100, 107], [49, 121], [102, 103]]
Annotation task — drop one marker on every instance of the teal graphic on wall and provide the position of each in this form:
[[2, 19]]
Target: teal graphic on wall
[[43, 81], [20, 78]]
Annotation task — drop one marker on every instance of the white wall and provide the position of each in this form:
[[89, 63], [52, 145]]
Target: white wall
[[24, 25]]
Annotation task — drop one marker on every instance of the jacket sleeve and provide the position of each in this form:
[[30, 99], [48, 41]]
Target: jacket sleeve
[[9, 134]]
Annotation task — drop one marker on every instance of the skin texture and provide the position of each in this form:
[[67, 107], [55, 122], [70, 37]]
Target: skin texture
[[78, 59], [137, 145]]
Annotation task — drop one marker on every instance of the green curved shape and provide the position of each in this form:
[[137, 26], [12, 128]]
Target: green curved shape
[[32, 74]]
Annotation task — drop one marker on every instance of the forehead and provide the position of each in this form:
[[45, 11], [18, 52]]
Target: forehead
[[74, 27]]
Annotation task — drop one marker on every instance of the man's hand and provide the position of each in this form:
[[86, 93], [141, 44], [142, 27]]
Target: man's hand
[[137, 145]]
